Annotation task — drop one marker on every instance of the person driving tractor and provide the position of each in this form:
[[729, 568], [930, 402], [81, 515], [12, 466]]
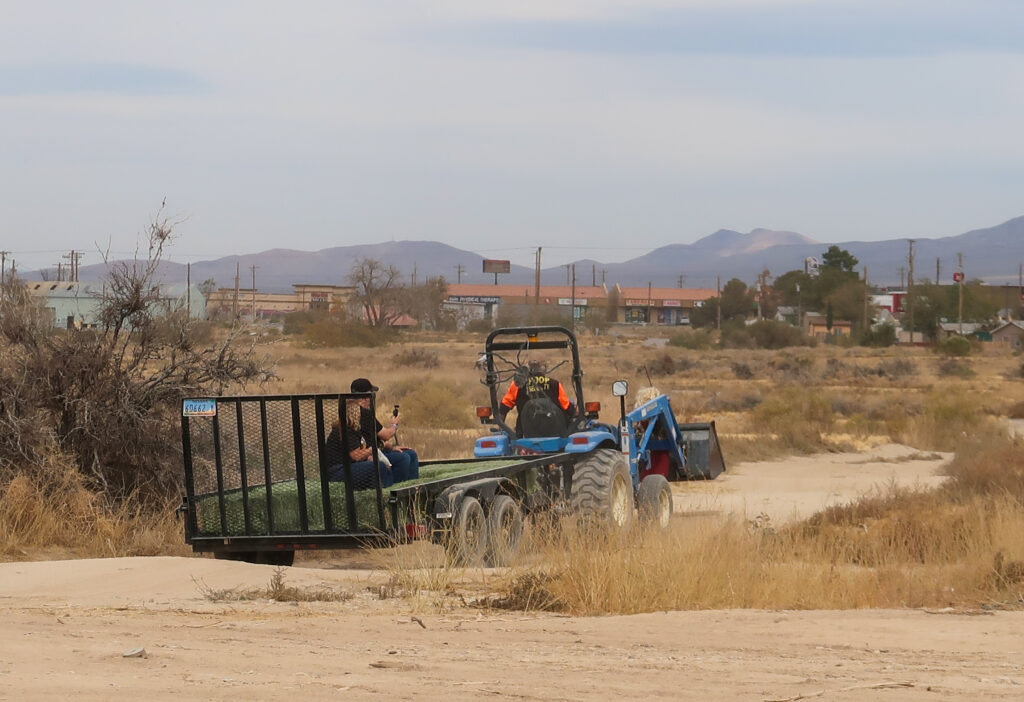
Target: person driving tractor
[[536, 398]]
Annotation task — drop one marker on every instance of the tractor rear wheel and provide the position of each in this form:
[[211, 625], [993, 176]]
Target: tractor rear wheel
[[467, 541], [504, 531], [654, 498], [602, 490]]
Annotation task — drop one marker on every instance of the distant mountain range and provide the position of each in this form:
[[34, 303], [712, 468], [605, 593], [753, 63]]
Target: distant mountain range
[[992, 255]]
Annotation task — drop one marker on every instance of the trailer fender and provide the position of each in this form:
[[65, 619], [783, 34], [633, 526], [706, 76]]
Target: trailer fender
[[587, 441]]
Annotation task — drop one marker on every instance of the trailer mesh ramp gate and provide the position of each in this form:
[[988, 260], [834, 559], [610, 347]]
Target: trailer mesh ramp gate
[[258, 467]]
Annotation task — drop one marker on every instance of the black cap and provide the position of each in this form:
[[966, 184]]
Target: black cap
[[363, 385]]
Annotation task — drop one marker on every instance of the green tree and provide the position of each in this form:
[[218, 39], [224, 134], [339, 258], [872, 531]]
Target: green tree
[[737, 300], [838, 259]]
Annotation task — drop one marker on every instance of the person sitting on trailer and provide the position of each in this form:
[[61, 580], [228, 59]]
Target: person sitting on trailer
[[542, 407], [398, 463]]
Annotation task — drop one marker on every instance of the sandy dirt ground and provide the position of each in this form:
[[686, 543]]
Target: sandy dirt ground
[[143, 629]]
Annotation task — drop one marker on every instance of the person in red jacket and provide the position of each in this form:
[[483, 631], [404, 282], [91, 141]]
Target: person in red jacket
[[542, 406]]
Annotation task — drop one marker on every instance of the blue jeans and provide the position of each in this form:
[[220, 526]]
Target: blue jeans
[[405, 465], [364, 475]]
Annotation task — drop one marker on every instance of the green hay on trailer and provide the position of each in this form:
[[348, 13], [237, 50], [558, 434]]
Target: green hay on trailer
[[284, 499]]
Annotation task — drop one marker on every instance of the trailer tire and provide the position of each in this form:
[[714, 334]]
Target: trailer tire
[[654, 500], [467, 541], [504, 531], [602, 490]]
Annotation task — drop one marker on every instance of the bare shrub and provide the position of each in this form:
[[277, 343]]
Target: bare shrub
[[896, 368], [662, 365], [952, 367], [742, 370], [108, 398], [416, 357], [694, 339], [793, 367]]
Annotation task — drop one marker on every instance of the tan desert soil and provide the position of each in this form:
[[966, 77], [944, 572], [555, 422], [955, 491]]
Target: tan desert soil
[[67, 626]]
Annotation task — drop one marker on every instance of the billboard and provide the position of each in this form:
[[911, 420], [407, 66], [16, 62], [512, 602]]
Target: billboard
[[492, 265]]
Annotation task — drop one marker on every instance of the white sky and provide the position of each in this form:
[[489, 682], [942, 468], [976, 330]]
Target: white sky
[[595, 128]]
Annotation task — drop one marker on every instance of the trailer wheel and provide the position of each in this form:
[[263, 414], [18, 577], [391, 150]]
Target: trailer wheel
[[654, 498], [602, 490], [504, 531], [468, 539]]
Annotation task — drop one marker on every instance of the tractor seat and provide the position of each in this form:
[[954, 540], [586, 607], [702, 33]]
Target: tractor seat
[[541, 417]]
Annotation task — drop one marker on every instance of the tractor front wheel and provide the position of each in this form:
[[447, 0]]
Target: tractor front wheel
[[654, 498], [602, 490]]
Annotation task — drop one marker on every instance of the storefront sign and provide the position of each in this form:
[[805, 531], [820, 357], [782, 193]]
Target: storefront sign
[[570, 301], [475, 299]]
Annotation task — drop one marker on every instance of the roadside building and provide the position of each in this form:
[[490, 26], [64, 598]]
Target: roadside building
[[1011, 334], [669, 306], [249, 303], [948, 329], [816, 325], [76, 305], [481, 301]]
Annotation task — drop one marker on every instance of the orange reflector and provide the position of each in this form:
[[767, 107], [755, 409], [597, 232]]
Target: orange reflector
[[592, 406], [488, 444], [483, 411], [580, 439]]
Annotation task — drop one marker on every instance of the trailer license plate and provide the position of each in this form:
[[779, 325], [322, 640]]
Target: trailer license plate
[[199, 408]]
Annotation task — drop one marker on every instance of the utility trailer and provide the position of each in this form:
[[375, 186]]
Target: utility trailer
[[257, 468], [257, 488]]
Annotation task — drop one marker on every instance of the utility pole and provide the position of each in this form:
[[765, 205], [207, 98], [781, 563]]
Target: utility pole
[[593, 275], [718, 286], [253, 269], [536, 279], [572, 299], [938, 272], [415, 271], [649, 303], [188, 289], [799, 307], [679, 283], [234, 303], [458, 271], [3, 267], [910, 288], [960, 291], [867, 296]]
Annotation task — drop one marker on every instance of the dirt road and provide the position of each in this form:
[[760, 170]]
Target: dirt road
[[67, 626]]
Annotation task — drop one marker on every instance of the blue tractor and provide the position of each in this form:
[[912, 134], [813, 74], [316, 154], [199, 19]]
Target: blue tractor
[[606, 473]]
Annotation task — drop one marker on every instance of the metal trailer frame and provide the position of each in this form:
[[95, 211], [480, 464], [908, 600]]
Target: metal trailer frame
[[231, 455]]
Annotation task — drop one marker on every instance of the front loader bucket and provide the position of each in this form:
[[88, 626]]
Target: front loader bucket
[[704, 460]]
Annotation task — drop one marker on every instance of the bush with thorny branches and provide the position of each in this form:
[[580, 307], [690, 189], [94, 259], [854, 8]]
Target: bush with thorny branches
[[109, 398]]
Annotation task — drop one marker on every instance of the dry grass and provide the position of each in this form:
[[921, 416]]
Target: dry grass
[[53, 514], [277, 590], [963, 544]]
